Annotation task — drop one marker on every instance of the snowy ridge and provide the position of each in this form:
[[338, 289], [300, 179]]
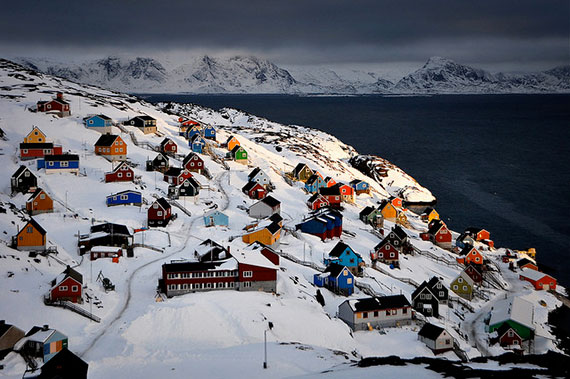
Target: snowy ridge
[[139, 337]]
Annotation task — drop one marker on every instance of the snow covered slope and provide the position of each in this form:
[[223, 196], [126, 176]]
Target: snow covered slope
[[213, 334]]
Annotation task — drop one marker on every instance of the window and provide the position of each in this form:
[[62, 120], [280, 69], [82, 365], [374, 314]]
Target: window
[[396, 243], [349, 281], [208, 285], [344, 272], [392, 255], [351, 260], [47, 151], [375, 313], [50, 164], [394, 311], [248, 274], [365, 314], [387, 312], [64, 164], [405, 311], [159, 213], [116, 150], [74, 288], [128, 174], [247, 284], [441, 294], [119, 175], [124, 197], [42, 196], [121, 150], [155, 206], [460, 280], [464, 288], [455, 287], [90, 122], [448, 341], [30, 229], [63, 288], [510, 333], [515, 342], [358, 315]]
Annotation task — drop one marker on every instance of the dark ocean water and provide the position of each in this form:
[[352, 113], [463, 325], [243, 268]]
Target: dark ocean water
[[500, 162]]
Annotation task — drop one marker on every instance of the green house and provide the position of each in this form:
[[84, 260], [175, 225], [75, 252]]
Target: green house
[[239, 154], [515, 312], [463, 286]]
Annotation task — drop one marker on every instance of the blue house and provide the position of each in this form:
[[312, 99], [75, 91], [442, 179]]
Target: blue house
[[324, 223], [216, 218], [313, 184], [197, 143], [360, 186], [193, 131], [210, 132], [337, 278], [99, 123], [42, 342], [343, 255], [59, 163], [127, 197]]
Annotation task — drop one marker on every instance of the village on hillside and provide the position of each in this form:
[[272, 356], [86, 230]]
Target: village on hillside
[[118, 213]]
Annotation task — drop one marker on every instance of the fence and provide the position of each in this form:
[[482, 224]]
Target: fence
[[72, 307]]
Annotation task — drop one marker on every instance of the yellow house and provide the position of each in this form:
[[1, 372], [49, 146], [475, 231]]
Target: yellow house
[[389, 212], [267, 235], [429, 214], [232, 142], [35, 136], [402, 219]]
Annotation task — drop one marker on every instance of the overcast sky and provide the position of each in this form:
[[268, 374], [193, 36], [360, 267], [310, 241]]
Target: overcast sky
[[497, 34]]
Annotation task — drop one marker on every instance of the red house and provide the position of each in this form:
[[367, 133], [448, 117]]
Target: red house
[[396, 201], [68, 286], [255, 272], [317, 201], [475, 273], [508, 337], [193, 163], [254, 190], [168, 146], [332, 195], [38, 150], [386, 252], [438, 234], [539, 280], [176, 175], [470, 255], [329, 181], [57, 105], [122, 173], [159, 213], [478, 234]]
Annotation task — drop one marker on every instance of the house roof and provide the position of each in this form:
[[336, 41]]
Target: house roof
[[466, 249], [165, 141], [299, 168], [422, 287], [111, 228], [505, 328], [366, 211], [106, 140], [254, 172], [68, 273], [215, 211], [250, 185], [252, 257], [330, 191], [427, 211], [21, 170], [335, 269], [193, 266], [236, 148], [120, 166], [230, 138], [520, 262], [124, 193], [313, 178], [271, 201], [106, 118], [473, 267], [435, 225], [274, 227], [196, 137], [431, 331], [36, 145], [276, 217], [4, 327], [146, 118], [515, 309], [315, 197], [161, 157], [191, 181], [163, 203], [433, 282], [379, 303], [190, 156], [466, 278], [36, 193], [36, 226], [339, 249], [62, 157], [533, 274]]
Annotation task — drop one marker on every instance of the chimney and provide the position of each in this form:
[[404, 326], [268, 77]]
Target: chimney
[[45, 327], [59, 96]]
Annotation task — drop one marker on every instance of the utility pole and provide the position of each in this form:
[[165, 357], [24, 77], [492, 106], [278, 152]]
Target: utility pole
[[265, 348]]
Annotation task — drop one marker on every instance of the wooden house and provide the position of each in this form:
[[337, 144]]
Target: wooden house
[[176, 175], [329, 182], [427, 298], [121, 173], [63, 365], [346, 192], [68, 286], [231, 143], [259, 176], [39, 202], [127, 197], [265, 208], [539, 280], [113, 252], [35, 136], [38, 150], [23, 181], [99, 123], [42, 342], [463, 286], [396, 201], [388, 210], [193, 130], [239, 154], [475, 272], [429, 214], [463, 240], [189, 188], [60, 163], [9, 336], [144, 123], [317, 201], [436, 338], [197, 143], [337, 278], [439, 234], [193, 163], [372, 216], [517, 314], [159, 213], [254, 190], [216, 218], [386, 252], [398, 236], [160, 163], [210, 251], [209, 132], [111, 147], [267, 233], [360, 186], [56, 106], [527, 263], [478, 234], [376, 312], [325, 223], [302, 172], [470, 255], [313, 184], [107, 234], [185, 125], [332, 194], [508, 338], [168, 146], [344, 255], [32, 237]]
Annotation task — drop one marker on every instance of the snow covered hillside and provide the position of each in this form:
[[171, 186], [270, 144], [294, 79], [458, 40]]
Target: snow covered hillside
[[217, 333], [249, 74]]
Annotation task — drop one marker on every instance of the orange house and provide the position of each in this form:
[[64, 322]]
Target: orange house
[[232, 142], [32, 237], [35, 136], [111, 147], [39, 202], [389, 212], [470, 255], [267, 235]]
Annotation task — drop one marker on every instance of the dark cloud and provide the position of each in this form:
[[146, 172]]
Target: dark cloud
[[326, 31]]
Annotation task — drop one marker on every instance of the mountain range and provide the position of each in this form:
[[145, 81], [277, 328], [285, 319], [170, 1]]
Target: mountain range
[[250, 74]]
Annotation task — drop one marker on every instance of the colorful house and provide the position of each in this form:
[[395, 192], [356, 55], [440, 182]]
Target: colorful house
[[527, 263], [429, 214], [267, 233], [216, 218], [60, 163], [475, 272], [107, 234], [239, 154], [197, 143], [388, 210], [360, 186], [387, 253], [481, 235], [209, 251], [209, 132], [42, 342], [99, 123], [470, 255], [329, 182], [463, 286], [439, 234], [265, 208], [68, 286], [185, 125], [189, 188], [428, 296], [144, 123], [168, 146], [376, 312], [396, 201], [254, 190], [515, 312], [343, 254], [302, 172], [32, 237], [436, 338], [121, 173], [176, 175], [23, 181], [508, 337], [193, 163], [313, 184], [111, 147], [337, 278], [160, 163], [259, 176], [539, 280], [159, 213], [372, 216], [128, 197], [231, 142], [57, 106], [38, 150], [39, 202], [346, 192], [332, 194], [193, 130], [325, 223], [35, 136], [317, 201]]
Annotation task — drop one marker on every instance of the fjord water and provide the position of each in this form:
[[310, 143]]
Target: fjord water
[[500, 162]]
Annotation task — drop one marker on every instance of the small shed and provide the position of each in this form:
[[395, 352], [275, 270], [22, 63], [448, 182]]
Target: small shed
[[436, 338]]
